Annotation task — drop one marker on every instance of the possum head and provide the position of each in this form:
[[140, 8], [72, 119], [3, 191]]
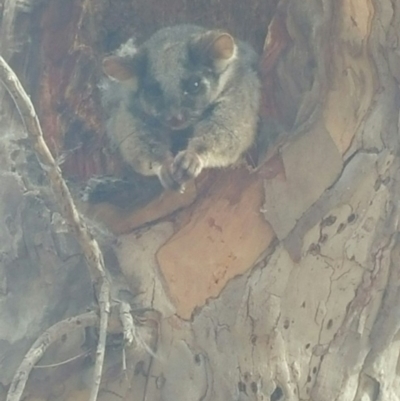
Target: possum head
[[177, 75]]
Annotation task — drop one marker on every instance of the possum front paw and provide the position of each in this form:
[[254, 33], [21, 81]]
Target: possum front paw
[[167, 178], [187, 165], [175, 172]]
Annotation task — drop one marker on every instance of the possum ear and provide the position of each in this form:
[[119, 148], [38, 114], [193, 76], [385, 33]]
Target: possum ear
[[223, 47], [214, 48], [124, 69], [118, 68]]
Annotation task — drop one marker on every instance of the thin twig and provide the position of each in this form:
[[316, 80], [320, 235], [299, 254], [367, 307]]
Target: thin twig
[[41, 344], [89, 245], [66, 361]]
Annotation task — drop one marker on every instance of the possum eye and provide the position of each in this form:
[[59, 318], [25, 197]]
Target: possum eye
[[192, 86]]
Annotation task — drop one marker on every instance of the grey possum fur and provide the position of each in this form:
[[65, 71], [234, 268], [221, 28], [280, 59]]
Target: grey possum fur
[[185, 100]]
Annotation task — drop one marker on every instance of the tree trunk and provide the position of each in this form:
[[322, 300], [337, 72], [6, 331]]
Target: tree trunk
[[279, 282]]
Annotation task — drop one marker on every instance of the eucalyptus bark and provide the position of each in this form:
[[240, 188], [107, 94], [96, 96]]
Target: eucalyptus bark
[[275, 284]]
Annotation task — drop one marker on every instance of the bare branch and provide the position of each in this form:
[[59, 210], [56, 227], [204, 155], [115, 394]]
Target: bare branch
[[89, 245], [25, 107], [40, 346]]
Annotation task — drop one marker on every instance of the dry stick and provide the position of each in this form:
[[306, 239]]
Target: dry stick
[[89, 245], [41, 344], [64, 362]]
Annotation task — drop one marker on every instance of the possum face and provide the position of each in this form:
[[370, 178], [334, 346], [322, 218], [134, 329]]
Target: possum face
[[178, 74]]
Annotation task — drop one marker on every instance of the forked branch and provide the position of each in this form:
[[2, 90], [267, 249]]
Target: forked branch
[[40, 346]]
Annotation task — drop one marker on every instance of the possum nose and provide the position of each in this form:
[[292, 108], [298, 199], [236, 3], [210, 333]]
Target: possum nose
[[177, 120]]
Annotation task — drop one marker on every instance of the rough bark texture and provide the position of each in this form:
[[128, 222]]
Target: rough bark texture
[[275, 284]]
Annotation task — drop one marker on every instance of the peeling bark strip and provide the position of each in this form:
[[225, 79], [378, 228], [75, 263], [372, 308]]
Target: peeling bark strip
[[40, 346], [89, 245]]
